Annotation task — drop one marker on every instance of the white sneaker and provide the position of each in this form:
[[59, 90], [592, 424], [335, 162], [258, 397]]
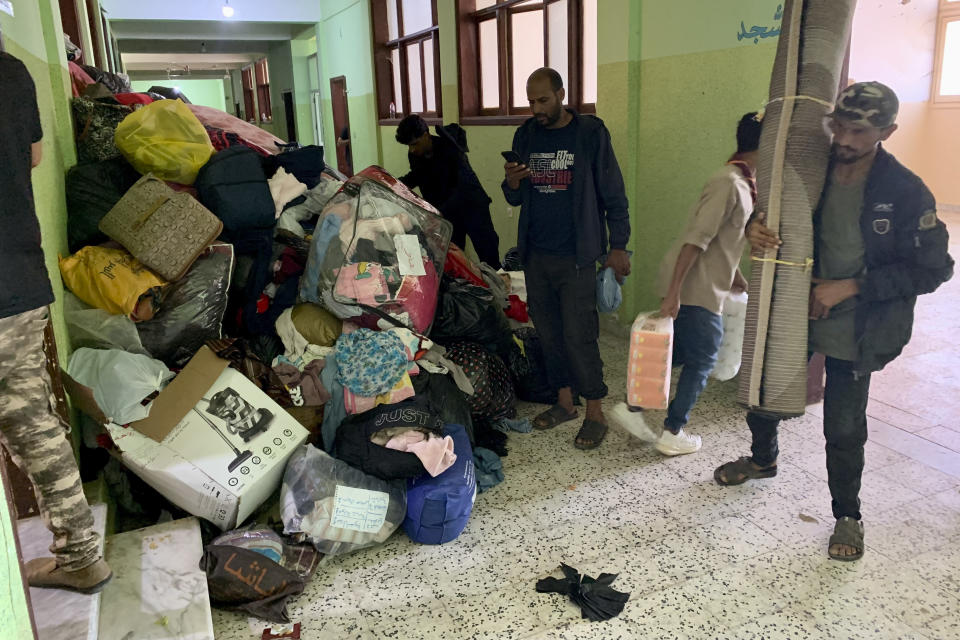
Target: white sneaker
[[632, 422], [671, 444]]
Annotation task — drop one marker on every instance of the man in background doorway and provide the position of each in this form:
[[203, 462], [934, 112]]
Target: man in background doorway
[[570, 191], [29, 428], [439, 166]]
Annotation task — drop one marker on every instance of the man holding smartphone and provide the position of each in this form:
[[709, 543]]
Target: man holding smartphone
[[570, 192]]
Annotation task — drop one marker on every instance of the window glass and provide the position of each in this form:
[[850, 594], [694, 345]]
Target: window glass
[[589, 54], [557, 43], [428, 73], [397, 80], [417, 15], [489, 65], [527, 38], [950, 73], [414, 79]]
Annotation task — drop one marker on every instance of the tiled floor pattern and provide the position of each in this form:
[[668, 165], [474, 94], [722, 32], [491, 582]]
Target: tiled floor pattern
[[700, 561]]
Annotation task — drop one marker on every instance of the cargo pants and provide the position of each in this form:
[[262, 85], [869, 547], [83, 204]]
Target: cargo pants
[[36, 438]]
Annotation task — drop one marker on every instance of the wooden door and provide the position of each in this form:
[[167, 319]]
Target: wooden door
[[341, 125]]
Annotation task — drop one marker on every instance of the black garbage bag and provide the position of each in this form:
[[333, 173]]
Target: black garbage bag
[[596, 598], [93, 189], [191, 309], [466, 312]]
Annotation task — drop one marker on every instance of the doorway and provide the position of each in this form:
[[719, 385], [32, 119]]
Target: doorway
[[341, 124], [316, 115], [290, 115]]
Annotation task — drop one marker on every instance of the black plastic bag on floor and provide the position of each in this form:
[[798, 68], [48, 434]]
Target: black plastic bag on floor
[[466, 312]]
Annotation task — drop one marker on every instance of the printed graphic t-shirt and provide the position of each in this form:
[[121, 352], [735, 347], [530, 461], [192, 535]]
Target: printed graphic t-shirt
[[551, 229]]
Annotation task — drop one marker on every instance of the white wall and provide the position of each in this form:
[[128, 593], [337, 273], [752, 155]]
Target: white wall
[[244, 10]]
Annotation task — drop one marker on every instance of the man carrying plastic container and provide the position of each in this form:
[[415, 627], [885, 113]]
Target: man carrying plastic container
[[699, 272], [29, 428], [565, 178]]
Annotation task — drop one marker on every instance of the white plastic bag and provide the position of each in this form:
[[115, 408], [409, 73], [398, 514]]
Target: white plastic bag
[[99, 329], [731, 347], [119, 380]]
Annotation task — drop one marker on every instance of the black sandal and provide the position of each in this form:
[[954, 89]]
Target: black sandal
[[847, 532], [743, 470], [593, 431], [552, 417]]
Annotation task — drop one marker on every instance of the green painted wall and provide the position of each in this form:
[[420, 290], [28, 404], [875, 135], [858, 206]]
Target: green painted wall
[[301, 48], [208, 92], [346, 49], [673, 79], [280, 63], [35, 36], [694, 80]]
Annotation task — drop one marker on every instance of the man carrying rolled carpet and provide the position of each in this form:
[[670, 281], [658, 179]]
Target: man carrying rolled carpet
[[878, 245]]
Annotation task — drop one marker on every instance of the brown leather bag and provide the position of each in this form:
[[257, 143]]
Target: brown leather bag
[[163, 229]]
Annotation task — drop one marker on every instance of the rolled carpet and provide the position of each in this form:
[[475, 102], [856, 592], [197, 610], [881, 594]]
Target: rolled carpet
[[794, 154]]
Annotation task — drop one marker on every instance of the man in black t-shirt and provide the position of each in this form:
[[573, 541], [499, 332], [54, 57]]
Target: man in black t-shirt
[[29, 428], [570, 190]]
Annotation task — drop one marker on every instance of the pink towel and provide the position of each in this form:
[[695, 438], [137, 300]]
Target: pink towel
[[435, 453]]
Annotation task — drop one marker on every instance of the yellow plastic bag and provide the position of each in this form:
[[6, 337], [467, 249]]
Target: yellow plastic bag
[[165, 138], [109, 279]]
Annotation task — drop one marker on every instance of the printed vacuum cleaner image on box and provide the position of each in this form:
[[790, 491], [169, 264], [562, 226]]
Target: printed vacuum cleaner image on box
[[214, 444]]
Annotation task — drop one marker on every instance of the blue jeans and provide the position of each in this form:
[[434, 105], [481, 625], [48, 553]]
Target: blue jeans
[[697, 333]]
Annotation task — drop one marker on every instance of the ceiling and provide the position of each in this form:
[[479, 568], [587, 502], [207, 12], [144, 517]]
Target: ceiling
[[195, 48]]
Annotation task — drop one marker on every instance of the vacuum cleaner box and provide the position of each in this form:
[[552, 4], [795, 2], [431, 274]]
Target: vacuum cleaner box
[[214, 444]]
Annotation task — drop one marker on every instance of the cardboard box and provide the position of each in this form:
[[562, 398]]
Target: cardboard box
[[214, 444]]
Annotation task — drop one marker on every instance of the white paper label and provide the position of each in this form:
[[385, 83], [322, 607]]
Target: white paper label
[[6, 6], [408, 255], [359, 509]]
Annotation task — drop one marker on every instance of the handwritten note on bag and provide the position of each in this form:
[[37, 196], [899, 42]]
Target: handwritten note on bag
[[409, 257], [359, 509]]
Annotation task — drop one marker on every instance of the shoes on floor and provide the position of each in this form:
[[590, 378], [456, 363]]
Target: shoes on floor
[[676, 444], [45, 574], [632, 422]]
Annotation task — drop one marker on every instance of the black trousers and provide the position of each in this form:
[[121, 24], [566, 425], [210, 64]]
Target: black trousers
[[562, 301], [479, 226], [844, 427]]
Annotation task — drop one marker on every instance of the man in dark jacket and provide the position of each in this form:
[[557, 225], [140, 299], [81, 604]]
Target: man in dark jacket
[[29, 428], [439, 166], [570, 190], [878, 245]]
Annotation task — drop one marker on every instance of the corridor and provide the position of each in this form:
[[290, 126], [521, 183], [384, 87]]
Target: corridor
[[699, 560]]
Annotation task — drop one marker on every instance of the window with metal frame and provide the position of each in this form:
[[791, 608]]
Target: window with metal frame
[[502, 41], [946, 70], [406, 58]]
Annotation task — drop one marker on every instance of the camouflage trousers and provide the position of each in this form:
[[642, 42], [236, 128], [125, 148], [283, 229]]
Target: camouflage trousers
[[36, 438]]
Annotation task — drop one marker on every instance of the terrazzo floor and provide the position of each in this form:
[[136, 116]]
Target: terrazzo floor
[[699, 560]]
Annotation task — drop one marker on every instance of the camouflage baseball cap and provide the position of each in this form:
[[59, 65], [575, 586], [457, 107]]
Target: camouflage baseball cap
[[870, 104]]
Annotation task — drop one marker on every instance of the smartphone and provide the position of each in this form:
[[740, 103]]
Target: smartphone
[[511, 156]]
